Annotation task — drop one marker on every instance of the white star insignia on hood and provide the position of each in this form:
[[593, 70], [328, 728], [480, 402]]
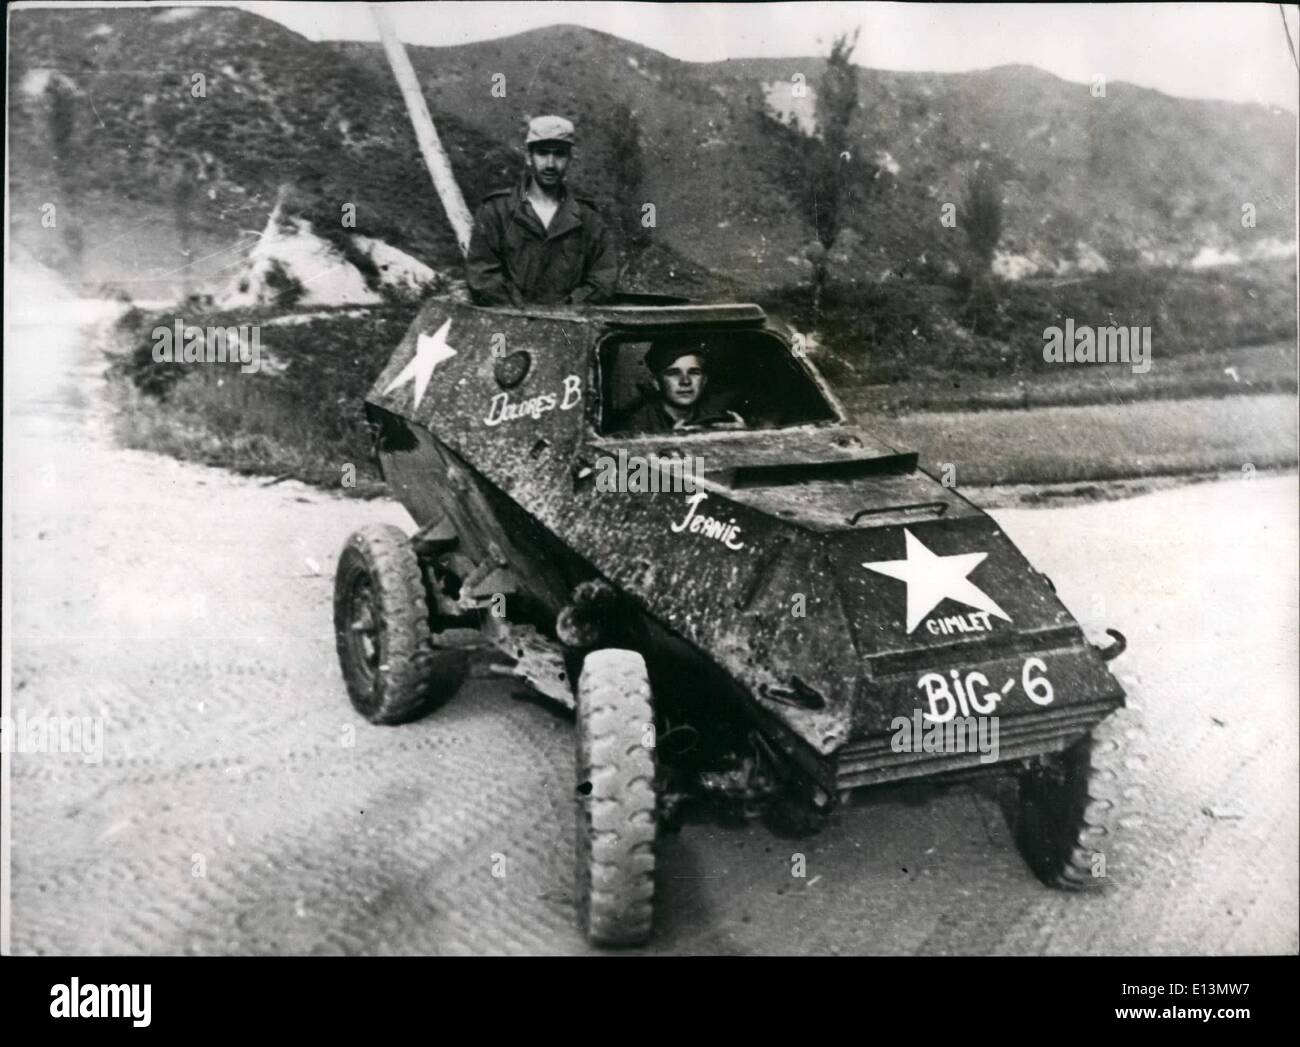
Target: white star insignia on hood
[[429, 353], [930, 579]]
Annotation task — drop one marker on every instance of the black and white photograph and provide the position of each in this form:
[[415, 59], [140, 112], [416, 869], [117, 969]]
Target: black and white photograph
[[621, 479]]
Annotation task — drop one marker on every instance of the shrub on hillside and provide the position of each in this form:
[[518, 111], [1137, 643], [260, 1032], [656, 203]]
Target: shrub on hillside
[[286, 288]]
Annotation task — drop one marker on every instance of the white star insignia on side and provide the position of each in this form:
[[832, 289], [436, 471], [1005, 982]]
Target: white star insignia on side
[[931, 578], [429, 353]]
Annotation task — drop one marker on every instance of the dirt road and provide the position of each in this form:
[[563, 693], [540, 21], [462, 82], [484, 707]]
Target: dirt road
[[241, 807]]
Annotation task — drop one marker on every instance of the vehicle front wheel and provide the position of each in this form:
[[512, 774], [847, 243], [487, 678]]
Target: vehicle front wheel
[[1068, 813], [615, 798], [381, 626]]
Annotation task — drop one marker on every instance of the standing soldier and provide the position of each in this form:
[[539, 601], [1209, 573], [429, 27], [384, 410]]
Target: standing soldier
[[538, 242]]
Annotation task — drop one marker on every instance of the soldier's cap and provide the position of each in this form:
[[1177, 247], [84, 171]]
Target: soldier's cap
[[549, 129], [663, 354]]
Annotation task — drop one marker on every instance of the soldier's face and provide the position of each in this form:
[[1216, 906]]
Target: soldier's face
[[682, 382], [549, 162]]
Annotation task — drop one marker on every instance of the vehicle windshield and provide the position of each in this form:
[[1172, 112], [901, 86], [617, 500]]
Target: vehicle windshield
[[685, 381]]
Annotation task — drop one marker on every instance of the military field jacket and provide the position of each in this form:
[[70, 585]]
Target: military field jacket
[[513, 259]]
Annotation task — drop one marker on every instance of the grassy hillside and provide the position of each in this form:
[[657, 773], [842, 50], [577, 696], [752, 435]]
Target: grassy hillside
[[116, 137], [144, 152], [903, 331]]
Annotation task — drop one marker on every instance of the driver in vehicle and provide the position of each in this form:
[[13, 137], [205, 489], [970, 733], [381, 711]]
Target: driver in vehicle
[[681, 377]]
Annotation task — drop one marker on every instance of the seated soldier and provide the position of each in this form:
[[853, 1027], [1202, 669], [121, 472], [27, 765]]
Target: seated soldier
[[680, 372]]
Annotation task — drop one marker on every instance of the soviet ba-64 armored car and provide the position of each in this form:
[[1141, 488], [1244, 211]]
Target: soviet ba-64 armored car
[[753, 625]]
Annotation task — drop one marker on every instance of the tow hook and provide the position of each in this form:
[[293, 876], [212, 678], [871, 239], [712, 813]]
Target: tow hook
[[1112, 650]]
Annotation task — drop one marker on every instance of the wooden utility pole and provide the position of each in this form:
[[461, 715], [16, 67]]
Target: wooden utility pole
[[435, 158]]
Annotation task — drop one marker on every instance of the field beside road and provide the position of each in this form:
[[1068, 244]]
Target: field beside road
[[1242, 435], [1245, 370]]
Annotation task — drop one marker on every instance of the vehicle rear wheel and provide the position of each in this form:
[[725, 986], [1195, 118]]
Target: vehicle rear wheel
[[381, 625], [1068, 812], [615, 798]]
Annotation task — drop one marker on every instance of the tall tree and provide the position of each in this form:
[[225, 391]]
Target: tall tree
[[831, 155], [982, 219], [624, 141]]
